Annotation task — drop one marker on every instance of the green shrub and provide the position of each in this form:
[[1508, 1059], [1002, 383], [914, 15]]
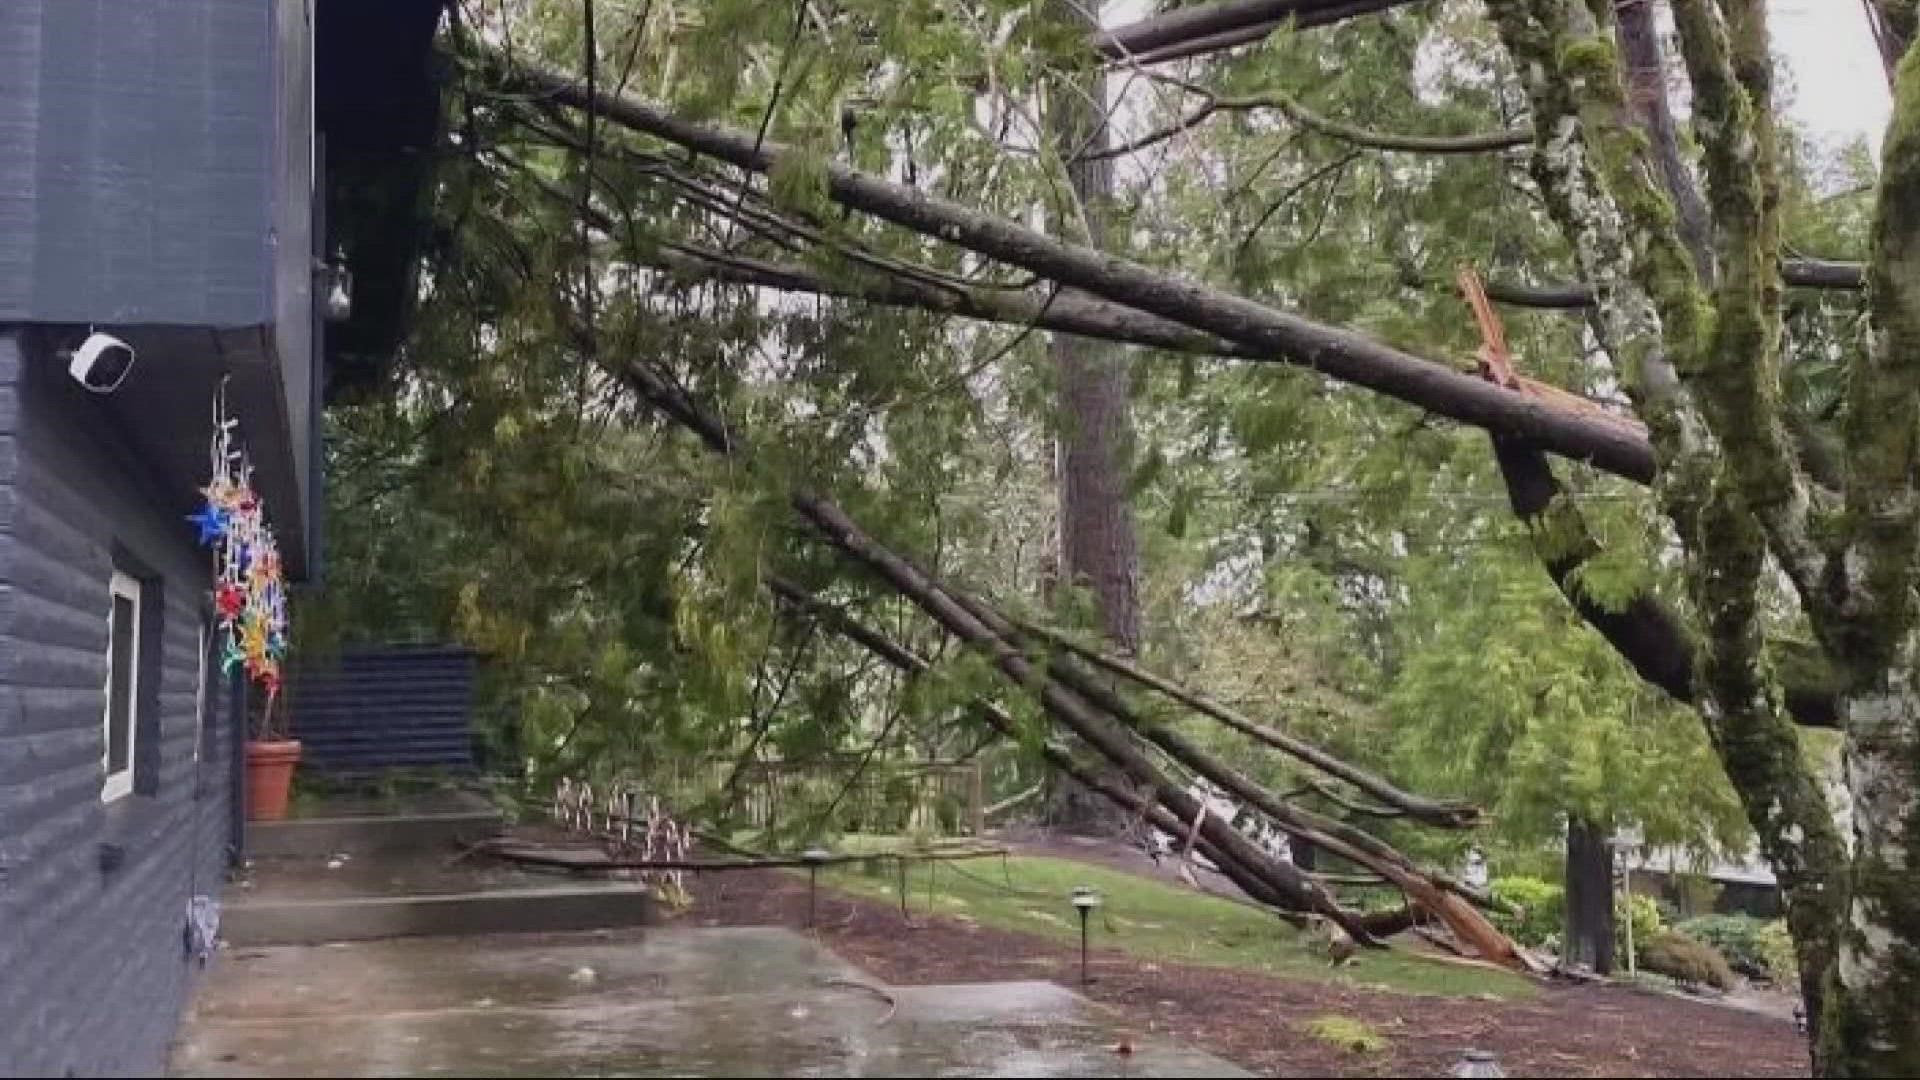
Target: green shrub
[[1686, 961], [1776, 951], [1542, 907], [1738, 939], [1753, 947], [1647, 923]]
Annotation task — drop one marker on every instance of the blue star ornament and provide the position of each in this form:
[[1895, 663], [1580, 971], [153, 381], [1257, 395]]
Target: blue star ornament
[[212, 522]]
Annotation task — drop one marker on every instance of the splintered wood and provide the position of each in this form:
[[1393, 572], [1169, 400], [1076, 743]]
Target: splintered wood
[[1496, 362]]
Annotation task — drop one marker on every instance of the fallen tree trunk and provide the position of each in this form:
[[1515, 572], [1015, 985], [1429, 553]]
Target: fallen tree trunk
[[1252, 329], [1378, 924], [1339, 353], [1094, 714], [1094, 726], [1247, 878], [1450, 814], [973, 622]]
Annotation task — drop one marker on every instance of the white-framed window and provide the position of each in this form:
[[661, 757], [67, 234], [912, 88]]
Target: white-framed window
[[123, 686]]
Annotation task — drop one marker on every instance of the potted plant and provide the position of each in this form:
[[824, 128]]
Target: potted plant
[[271, 757]]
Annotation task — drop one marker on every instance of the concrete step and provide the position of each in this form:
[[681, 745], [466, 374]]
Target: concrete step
[[254, 921], [371, 834]]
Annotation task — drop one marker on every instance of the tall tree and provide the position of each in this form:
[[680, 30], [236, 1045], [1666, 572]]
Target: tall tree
[[1099, 550]]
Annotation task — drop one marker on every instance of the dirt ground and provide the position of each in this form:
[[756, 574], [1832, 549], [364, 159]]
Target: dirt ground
[[1259, 1022]]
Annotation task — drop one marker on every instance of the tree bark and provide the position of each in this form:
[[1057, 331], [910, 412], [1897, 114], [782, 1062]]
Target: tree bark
[[1094, 423], [1204, 28], [1871, 1025], [1588, 938], [1646, 82]]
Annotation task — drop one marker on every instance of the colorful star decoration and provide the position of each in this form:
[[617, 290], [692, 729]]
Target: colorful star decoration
[[212, 522], [249, 594]]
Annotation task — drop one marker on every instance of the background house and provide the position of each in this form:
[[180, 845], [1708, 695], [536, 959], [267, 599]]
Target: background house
[[164, 180]]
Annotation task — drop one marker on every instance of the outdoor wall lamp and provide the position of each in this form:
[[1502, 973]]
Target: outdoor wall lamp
[[335, 284], [814, 858], [1085, 899]]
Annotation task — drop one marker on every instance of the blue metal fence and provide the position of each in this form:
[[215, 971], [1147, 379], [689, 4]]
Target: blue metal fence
[[394, 706]]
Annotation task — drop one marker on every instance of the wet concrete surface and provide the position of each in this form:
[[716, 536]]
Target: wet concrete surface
[[346, 874], [680, 1001]]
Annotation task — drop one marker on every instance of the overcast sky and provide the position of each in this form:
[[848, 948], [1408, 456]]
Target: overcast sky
[[1839, 88]]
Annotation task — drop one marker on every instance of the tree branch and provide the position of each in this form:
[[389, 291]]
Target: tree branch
[[1205, 28], [1450, 814], [1339, 353], [1353, 135], [1646, 77], [1893, 25]]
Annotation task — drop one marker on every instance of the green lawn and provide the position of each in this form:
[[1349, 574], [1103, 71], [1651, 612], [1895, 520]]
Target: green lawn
[[1150, 920]]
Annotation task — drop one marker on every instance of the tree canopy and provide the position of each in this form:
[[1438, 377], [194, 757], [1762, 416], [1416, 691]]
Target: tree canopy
[[729, 429]]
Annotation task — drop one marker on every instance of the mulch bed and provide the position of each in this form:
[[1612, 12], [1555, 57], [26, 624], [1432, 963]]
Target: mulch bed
[[1259, 1022]]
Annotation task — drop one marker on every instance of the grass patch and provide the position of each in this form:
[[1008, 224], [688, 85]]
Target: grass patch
[[1151, 921], [1346, 1033]]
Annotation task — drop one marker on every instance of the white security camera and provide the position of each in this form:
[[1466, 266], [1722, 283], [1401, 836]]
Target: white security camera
[[101, 363]]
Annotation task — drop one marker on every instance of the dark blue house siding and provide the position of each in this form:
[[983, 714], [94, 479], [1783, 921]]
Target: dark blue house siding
[[136, 150], [93, 971]]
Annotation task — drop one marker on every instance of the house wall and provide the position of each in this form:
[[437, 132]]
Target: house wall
[[156, 183], [136, 165], [93, 965]]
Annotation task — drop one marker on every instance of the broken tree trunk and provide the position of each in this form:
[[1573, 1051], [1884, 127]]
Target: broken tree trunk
[[1589, 897]]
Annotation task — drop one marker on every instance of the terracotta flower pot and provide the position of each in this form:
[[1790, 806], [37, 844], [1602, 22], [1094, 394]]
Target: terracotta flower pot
[[270, 777]]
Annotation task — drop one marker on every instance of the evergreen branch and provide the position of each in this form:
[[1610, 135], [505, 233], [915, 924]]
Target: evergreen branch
[[1337, 352], [1451, 814], [1334, 168], [773, 105], [1340, 131]]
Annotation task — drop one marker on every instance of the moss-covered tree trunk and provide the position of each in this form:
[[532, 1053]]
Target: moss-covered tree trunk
[[1697, 348], [1871, 1025]]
